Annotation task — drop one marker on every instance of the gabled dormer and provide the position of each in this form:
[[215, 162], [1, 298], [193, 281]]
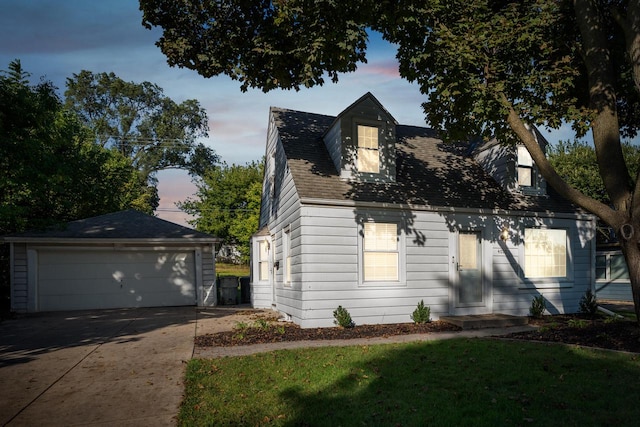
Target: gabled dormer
[[512, 166], [361, 142]]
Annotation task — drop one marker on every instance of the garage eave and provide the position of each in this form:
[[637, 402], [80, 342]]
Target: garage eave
[[113, 241]]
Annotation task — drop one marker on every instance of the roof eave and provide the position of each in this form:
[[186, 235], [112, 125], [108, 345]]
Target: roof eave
[[98, 241], [446, 209]]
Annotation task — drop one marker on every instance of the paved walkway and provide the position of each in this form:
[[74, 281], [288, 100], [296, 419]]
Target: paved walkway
[[99, 368], [212, 352], [617, 305]]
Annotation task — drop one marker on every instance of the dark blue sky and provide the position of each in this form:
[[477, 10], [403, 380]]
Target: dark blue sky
[[56, 38]]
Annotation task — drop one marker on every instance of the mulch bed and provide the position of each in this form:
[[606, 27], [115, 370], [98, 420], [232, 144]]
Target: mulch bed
[[582, 330], [623, 335], [282, 332]]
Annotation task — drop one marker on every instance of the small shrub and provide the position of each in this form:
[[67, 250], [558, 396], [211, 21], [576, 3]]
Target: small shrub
[[578, 323], [421, 314], [538, 306], [343, 318], [613, 319], [241, 326], [588, 303], [262, 324]]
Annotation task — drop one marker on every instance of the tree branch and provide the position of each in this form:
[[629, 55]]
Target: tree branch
[[610, 216]]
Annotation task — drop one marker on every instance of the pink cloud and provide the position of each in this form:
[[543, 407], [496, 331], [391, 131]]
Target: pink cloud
[[174, 186], [387, 68]]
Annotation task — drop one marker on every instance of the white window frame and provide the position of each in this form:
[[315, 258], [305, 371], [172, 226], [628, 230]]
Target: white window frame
[[399, 252], [547, 282], [364, 144], [263, 260]]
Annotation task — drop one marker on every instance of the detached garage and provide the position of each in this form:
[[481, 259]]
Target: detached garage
[[119, 260]]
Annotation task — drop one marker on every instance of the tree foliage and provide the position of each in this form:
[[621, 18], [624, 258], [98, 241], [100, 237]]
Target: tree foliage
[[261, 43], [50, 169], [486, 67], [575, 162], [142, 123], [227, 204]]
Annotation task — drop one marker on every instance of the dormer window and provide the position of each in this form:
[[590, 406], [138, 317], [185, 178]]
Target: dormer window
[[368, 149], [525, 168], [362, 142]]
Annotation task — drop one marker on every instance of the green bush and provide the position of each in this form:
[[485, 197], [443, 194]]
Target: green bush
[[538, 305], [421, 314], [578, 323], [343, 318], [588, 303]]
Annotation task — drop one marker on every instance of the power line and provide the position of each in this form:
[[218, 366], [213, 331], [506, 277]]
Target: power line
[[205, 210]]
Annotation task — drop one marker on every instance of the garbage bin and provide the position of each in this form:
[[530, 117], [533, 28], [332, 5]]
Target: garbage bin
[[229, 290], [245, 290]]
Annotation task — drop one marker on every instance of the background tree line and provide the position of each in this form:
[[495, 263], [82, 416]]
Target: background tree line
[[94, 152]]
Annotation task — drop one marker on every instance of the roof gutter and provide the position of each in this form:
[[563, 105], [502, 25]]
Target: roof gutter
[[97, 240], [444, 209]]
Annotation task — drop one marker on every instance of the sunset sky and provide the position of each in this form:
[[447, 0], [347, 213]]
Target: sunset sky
[[56, 38]]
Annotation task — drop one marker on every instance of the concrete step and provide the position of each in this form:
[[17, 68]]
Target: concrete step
[[480, 321]]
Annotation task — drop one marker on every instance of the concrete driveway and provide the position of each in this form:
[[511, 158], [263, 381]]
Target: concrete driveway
[[108, 367]]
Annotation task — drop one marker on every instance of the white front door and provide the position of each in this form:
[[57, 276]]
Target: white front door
[[468, 293]]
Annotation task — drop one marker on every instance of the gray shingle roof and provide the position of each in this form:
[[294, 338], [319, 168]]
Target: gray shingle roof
[[430, 172], [126, 225]]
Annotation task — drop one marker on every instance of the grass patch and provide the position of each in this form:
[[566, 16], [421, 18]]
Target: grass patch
[[454, 382], [630, 315], [223, 269]]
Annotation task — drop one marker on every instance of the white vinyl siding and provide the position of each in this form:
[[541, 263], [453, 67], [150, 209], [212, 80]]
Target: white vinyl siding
[[545, 253], [368, 149], [328, 271]]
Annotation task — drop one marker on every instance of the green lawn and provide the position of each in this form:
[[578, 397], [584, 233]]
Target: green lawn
[[443, 383], [223, 269]]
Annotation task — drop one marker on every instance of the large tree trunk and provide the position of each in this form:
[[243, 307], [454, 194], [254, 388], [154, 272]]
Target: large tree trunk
[[606, 136], [632, 256]]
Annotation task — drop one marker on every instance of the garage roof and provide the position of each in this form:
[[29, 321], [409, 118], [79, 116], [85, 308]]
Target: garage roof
[[128, 226]]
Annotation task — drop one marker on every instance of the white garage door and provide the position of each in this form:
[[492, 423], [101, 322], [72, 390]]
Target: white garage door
[[75, 280]]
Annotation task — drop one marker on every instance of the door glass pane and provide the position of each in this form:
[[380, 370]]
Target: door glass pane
[[263, 264], [468, 257], [470, 281], [264, 271]]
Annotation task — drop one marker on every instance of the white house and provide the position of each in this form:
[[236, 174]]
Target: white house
[[360, 211]]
